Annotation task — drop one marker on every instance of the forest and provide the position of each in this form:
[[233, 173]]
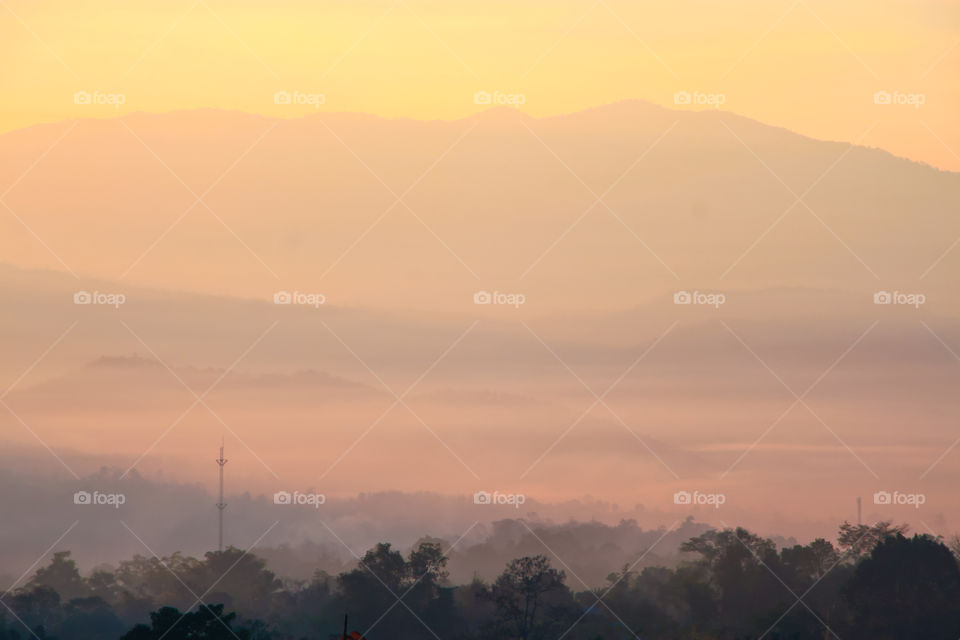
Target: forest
[[874, 582]]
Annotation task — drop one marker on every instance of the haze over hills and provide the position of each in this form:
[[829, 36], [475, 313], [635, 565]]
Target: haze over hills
[[479, 320], [176, 516], [501, 397], [296, 204]]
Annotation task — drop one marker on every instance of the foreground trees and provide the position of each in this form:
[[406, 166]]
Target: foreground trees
[[207, 622], [730, 584], [530, 598], [906, 588]]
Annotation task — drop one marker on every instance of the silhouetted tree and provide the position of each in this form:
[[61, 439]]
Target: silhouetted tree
[[522, 594], [743, 569], [858, 540], [907, 588], [954, 545], [232, 576], [89, 619], [206, 623], [404, 596], [37, 607], [158, 579], [811, 561], [61, 575], [370, 590], [103, 584], [734, 585], [16, 630], [426, 572]]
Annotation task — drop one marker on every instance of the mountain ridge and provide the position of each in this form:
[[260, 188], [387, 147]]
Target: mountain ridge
[[599, 109]]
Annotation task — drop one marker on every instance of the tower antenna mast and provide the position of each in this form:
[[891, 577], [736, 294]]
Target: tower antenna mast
[[221, 505]]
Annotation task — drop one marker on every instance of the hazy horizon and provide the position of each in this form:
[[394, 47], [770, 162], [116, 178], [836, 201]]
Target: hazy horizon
[[658, 297], [503, 394]]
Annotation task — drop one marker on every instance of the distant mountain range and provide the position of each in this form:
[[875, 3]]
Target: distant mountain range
[[691, 200], [612, 378]]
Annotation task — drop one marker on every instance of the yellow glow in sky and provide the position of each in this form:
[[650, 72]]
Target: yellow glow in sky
[[810, 66]]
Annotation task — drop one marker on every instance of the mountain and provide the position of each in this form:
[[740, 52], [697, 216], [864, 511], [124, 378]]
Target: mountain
[[498, 201], [382, 372]]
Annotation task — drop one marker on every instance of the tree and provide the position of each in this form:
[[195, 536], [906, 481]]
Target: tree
[[37, 607], [730, 545], [650, 600], [521, 592], [158, 579], [378, 576], [907, 588], [426, 572], [811, 561], [206, 623], [858, 540], [103, 584], [233, 576], [743, 569], [387, 565], [954, 545], [61, 575], [427, 564], [370, 591], [12, 630], [89, 619]]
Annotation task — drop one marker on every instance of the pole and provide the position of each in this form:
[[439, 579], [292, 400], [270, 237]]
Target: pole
[[221, 505], [344, 626]]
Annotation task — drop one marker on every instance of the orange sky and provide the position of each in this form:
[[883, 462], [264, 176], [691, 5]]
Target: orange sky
[[810, 66], [98, 207]]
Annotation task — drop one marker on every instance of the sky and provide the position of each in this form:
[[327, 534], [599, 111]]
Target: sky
[[700, 247], [807, 65]]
